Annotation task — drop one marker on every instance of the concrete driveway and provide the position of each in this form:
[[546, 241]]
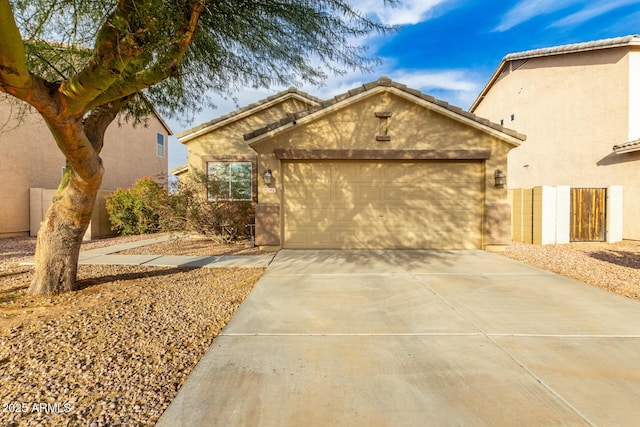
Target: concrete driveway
[[408, 338]]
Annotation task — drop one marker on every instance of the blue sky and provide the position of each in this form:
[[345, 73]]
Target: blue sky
[[450, 48]]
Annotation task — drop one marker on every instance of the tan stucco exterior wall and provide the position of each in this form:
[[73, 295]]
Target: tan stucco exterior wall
[[412, 126], [573, 109], [226, 142], [31, 159]]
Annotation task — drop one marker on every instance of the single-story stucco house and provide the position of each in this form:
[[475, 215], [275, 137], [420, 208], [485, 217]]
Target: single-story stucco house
[[382, 166]]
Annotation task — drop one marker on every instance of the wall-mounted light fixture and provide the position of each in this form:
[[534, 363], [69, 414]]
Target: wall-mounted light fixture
[[500, 177], [267, 176]]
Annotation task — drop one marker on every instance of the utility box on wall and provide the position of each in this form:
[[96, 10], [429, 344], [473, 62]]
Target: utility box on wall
[[542, 215]]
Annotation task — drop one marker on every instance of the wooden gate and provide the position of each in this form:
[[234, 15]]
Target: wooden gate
[[588, 214]]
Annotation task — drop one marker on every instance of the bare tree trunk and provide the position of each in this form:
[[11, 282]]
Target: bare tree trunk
[[60, 236]]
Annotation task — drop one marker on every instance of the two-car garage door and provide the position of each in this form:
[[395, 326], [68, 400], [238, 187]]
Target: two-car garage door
[[383, 204]]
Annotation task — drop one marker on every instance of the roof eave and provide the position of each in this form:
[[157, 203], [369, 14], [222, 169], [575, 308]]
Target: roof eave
[[488, 86], [313, 116], [623, 150], [178, 170], [188, 135], [511, 139], [626, 150]]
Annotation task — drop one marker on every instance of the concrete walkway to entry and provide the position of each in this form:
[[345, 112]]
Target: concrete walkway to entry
[[408, 338]]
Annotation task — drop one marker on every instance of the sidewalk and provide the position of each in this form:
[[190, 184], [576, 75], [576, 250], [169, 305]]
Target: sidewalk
[[108, 255]]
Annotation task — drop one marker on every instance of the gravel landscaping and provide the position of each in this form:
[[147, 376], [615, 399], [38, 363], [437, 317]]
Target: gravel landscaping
[[114, 353], [117, 351], [195, 246], [614, 267]]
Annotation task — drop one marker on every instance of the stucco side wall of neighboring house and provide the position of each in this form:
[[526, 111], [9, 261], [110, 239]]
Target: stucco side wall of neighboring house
[[131, 153], [31, 159], [634, 95], [573, 109], [351, 128], [225, 142]]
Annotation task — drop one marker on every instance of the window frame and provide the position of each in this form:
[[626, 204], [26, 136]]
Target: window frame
[[229, 179], [161, 141]]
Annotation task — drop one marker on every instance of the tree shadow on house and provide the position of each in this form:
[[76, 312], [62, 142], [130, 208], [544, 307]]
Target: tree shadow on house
[[622, 258]]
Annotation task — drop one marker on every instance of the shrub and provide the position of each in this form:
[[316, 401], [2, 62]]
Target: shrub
[[137, 210], [189, 209]]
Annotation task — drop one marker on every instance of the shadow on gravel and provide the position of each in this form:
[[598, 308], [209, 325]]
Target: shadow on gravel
[[14, 273], [622, 258], [101, 279]]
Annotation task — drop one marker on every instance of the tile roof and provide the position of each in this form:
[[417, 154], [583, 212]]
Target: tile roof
[[627, 147], [179, 169], [217, 120], [382, 82], [576, 47]]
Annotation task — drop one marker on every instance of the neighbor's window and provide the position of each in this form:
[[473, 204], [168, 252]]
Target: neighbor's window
[[160, 145], [229, 180]]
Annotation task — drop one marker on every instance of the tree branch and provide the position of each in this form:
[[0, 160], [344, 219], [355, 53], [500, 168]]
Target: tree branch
[[13, 68], [161, 69], [113, 51], [100, 118]]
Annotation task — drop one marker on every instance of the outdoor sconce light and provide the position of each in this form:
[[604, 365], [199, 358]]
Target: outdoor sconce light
[[500, 177], [267, 176]]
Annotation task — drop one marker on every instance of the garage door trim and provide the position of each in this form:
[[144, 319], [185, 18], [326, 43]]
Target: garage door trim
[[298, 154]]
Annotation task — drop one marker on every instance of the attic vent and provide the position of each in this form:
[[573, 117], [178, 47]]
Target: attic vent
[[383, 129]]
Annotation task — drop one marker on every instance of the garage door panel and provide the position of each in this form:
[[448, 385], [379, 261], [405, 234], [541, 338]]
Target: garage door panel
[[305, 173], [409, 193], [368, 172], [366, 193], [389, 204], [297, 192]]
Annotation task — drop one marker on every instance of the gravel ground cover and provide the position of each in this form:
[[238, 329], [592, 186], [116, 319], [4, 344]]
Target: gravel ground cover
[[114, 353], [614, 267], [196, 246]]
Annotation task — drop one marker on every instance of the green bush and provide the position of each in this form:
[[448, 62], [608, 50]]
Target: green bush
[[137, 210]]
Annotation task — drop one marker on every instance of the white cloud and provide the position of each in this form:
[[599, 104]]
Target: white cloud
[[592, 10], [406, 12], [529, 9]]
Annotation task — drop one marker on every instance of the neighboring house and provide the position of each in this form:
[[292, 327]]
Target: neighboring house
[[579, 106], [382, 166], [32, 167]]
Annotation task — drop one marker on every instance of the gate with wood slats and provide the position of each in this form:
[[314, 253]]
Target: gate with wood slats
[[588, 214]]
